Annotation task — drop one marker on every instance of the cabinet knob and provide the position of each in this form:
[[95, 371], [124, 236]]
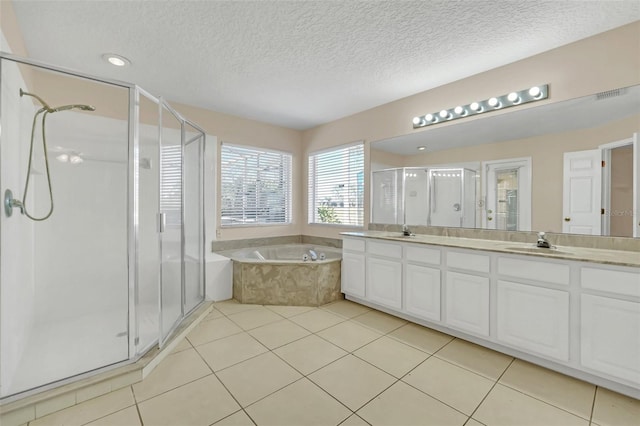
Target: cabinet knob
[[489, 218], [567, 219]]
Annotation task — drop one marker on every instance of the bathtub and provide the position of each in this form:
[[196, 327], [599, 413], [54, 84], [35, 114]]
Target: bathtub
[[286, 275]]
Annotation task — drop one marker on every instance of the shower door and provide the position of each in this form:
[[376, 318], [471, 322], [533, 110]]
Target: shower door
[[193, 209], [64, 278], [171, 224]]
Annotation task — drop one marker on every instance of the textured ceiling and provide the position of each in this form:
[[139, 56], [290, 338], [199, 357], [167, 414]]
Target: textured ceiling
[[303, 63]]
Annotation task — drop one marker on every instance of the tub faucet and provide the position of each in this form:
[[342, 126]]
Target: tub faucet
[[314, 255], [542, 241]]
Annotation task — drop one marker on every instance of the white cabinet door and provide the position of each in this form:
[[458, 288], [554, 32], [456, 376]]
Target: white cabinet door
[[610, 337], [353, 274], [467, 306], [533, 318], [422, 291], [384, 282]]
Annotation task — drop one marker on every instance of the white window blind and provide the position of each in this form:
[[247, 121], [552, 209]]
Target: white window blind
[[256, 186], [171, 184], [336, 186]]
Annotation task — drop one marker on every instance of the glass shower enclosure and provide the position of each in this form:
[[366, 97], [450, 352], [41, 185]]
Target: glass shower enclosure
[[102, 230], [424, 196]]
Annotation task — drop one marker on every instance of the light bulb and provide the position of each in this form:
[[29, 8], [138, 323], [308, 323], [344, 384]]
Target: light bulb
[[422, 148], [429, 117], [117, 60], [535, 92], [444, 114], [476, 107], [513, 97], [416, 120], [63, 158], [459, 110], [494, 102]]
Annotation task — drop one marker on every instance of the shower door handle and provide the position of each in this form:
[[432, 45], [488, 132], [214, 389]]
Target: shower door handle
[[162, 222]]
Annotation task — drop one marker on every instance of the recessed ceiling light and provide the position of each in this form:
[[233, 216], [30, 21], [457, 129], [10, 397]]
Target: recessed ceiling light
[[422, 148], [117, 60]]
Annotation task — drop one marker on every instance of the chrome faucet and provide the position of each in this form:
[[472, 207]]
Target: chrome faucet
[[406, 231], [314, 255], [542, 241]]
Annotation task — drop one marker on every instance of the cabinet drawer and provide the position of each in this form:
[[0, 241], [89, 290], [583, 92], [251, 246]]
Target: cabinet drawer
[[468, 261], [624, 282], [384, 249], [549, 272], [422, 254], [353, 245]]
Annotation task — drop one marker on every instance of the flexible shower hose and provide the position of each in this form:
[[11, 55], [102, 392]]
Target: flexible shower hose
[[46, 164]]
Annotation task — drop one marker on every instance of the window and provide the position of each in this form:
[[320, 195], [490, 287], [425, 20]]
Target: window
[[171, 184], [256, 186], [336, 186]]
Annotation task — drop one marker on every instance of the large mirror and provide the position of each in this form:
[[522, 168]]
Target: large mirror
[[570, 166]]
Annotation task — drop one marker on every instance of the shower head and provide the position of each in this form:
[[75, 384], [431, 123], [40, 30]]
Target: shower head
[[68, 107]]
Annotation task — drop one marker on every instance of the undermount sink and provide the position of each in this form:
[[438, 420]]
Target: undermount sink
[[537, 250]]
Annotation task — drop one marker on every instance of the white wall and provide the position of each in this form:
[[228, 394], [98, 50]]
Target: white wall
[[17, 233]]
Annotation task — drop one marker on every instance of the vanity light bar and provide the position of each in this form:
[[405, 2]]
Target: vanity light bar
[[535, 93]]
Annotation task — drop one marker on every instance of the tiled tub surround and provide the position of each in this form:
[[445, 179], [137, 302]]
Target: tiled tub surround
[[577, 311], [283, 278]]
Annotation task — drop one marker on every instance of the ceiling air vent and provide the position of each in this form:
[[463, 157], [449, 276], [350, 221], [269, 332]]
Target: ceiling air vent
[[611, 94]]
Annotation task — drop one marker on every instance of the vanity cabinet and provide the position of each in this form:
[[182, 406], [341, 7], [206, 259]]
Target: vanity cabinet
[[533, 306], [353, 267], [467, 292], [534, 319], [384, 274], [468, 303], [578, 317], [610, 321]]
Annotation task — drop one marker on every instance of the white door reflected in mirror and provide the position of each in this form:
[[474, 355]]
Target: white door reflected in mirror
[[507, 191]]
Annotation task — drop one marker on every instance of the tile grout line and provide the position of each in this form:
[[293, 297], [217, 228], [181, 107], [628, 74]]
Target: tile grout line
[[492, 388], [593, 405]]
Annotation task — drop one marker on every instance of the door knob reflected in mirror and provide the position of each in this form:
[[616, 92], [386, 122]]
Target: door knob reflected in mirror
[[489, 218], [567, 219]]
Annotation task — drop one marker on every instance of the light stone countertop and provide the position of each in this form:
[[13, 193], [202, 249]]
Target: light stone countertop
[[581, 254]]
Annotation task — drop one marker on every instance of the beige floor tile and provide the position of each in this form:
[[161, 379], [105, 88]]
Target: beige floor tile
[[278, 333], [231, 350], [420, 337], [391, 356], [254, 318], [202, 402], [316, 320], [379, 321], [289, 311], [354, 420], [90, 410], [478, 359], [346, 308], [349, 335], [612, 408], [473, 422], [309, 354], [182, 346], [127, 417], [508, 407], [564, 392], [208, 331], [239, 418], [229, 307], [453, 385], [352, 381], [257, 377], [175, 370], [313, 407], [214, 314], [403, 405]]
